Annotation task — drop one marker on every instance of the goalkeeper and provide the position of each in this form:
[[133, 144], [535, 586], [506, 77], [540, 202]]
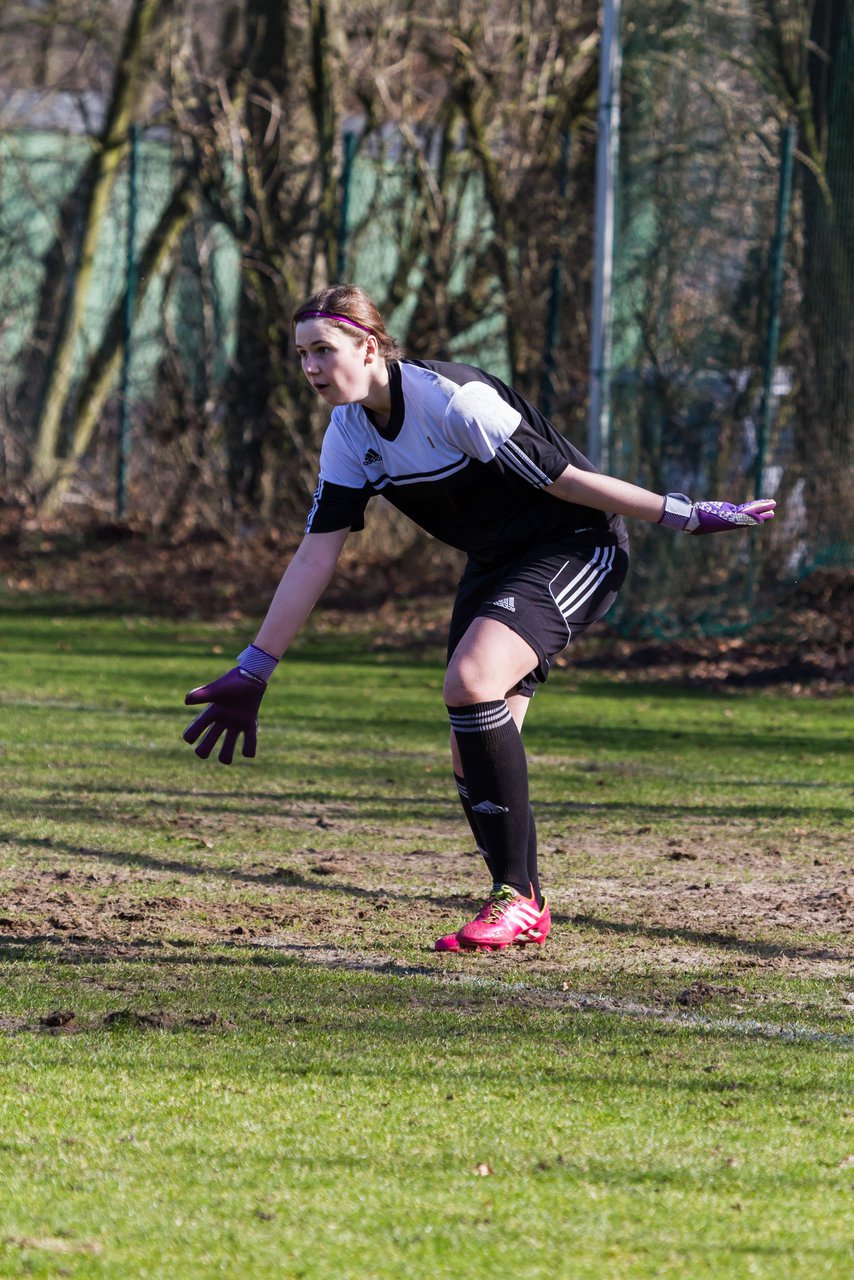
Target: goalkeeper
[[477, 466]]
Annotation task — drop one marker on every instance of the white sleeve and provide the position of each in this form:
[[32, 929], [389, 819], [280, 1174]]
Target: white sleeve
[[478, 421], [338, 461]]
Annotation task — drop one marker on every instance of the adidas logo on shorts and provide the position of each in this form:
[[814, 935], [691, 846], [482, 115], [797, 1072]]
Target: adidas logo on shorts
[[507, 602], [371, 457], [486, 806]]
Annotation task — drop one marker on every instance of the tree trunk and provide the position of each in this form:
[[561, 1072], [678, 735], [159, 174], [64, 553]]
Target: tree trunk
[[267, 397], [110, 152], [323, 95], [248, 393], [104, 364]]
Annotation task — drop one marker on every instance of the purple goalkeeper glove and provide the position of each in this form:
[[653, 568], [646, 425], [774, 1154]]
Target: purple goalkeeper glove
[[234, 701], [713, 517]]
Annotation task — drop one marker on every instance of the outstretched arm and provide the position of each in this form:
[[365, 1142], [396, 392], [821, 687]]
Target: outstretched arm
[[303, 583], [484, 426], [607, 493], [233, 700]]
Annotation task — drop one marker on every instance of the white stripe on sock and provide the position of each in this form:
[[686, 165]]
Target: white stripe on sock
[[480, 721]]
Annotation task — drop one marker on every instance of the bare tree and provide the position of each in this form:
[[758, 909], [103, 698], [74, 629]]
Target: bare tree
[[482, 103], [470, 116], [470, 161], [47, 458]]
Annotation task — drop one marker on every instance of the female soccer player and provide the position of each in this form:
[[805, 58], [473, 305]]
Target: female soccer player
[[480, 468]]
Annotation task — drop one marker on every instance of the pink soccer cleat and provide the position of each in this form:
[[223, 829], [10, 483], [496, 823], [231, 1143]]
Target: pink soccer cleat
[[448, 942], [540, 931], [505, 919]]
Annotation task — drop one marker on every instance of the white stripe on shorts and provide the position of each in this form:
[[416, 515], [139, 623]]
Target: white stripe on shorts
[[585, 582]]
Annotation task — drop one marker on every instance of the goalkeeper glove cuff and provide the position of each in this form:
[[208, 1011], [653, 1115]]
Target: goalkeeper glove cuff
[[255, 662], [678, 511]]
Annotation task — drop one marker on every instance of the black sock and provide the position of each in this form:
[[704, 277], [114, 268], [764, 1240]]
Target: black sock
[[533, 872], [496, 776], [471, 818]]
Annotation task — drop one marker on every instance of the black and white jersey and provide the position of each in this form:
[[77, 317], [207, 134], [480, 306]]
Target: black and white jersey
[[463, 455]]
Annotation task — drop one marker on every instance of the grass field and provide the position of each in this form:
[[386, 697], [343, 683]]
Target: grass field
[[227, 1047]]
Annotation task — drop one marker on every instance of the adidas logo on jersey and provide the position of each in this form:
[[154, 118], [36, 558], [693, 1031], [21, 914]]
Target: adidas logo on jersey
[[507, 602], [371, 457]]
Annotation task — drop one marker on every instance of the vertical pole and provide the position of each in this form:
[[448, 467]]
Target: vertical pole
[[349, 143], [130, 302], [772, 335], [607, 156], [555, 282]]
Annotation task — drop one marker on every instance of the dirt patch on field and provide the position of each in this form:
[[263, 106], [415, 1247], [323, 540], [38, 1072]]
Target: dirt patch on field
[[679, 925]]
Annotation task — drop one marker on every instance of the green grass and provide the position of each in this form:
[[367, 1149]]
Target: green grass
[[262, 1069], [339, 1127]]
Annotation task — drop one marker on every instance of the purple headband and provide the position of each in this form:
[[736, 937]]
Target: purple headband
[[332, 315]]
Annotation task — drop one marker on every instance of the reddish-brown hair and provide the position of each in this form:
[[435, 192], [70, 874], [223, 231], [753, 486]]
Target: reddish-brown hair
[[351, 303]]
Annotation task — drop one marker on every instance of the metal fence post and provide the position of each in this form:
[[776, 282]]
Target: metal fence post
[[607, 157], [772, 336], [350, 142], [555, 282], [130, 303]]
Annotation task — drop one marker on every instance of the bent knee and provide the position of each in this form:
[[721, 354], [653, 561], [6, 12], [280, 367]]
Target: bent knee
[[466, 682]]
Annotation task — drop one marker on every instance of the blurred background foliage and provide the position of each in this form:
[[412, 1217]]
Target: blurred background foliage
[[176, 175]]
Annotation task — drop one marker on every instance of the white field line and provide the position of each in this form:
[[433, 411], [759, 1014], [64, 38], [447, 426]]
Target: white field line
[[571, 1001]]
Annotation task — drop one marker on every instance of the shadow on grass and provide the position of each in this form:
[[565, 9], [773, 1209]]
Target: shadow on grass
[[333, 801], [727, 941], [283, 878], [372, 1016], [25, 948]]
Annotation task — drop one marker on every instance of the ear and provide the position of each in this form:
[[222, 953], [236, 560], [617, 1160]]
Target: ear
[[371, 348]]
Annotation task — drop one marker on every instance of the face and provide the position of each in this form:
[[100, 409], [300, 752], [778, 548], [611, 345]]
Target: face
[[338, 366]]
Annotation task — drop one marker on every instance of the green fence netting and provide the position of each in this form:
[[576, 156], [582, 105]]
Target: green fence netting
[[733, 311]]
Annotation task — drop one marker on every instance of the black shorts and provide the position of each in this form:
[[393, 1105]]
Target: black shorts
[[546, 595]]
